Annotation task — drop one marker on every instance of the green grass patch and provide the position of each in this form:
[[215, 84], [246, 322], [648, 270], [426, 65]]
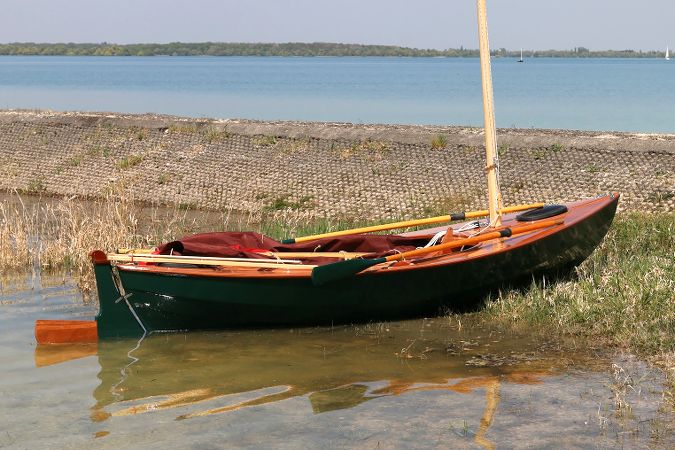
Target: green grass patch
[[187, 206], [440, 141], [624, 293], [181, 128], [130, 161], [592, 168], [213, 134], [368, 149], [141, 135], [36, 186], [660, 196], [75, 160], [264, 141], [98, 150], [163, 178], [283, 202], [289, 223]]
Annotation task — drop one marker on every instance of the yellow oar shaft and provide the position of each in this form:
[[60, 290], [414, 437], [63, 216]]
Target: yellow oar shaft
[[418, 222], [508, 209]]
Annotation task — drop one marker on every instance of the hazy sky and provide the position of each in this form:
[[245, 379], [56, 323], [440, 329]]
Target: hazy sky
[[532, 24]]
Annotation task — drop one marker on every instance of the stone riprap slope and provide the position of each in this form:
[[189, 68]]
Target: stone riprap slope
[[360, 171]]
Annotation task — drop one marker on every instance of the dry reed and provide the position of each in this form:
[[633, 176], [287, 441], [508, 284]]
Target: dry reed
[[59, 233]]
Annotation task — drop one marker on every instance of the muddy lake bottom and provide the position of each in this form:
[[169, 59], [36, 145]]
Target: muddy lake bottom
[[426, 383]]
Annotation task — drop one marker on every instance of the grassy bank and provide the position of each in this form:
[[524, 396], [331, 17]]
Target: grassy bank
[[623, 294]]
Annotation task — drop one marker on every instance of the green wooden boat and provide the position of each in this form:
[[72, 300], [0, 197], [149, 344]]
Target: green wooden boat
[[136, 299], [232, 280]]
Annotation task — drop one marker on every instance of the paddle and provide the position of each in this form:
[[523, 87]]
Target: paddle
[[303, 255], [343, 269], [211, 261], [65, 331], [412, 223]]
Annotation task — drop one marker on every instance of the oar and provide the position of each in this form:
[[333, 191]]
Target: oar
[[303, 255], [343, 269], [413, 223], [209, 261], [65, 331]]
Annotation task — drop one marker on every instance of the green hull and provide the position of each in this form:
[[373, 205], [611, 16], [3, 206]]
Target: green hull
[[178, 302]]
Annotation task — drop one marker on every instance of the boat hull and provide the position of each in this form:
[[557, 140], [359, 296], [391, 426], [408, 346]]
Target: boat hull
[[131, 300]]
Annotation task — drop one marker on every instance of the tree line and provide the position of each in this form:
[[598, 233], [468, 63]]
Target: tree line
[[290, 49]]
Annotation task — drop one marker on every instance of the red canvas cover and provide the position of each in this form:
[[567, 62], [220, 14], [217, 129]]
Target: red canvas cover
[[248, 244]]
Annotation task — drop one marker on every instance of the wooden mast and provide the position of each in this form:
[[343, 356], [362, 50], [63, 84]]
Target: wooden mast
[[494, 196]]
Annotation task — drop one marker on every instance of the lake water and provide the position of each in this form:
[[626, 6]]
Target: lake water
[[588, 94], [414, 384]]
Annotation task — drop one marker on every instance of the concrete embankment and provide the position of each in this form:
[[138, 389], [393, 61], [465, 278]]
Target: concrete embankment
[[331, 169]]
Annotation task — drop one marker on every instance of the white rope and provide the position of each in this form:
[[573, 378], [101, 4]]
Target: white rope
[[434, 240], [469, 226]]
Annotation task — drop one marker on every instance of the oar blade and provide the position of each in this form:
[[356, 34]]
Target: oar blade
[[337, 271], [65, 331]]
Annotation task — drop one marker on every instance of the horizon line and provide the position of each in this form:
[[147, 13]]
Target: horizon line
[[576, 49]]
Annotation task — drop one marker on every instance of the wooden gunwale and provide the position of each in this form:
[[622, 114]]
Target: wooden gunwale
[[578, 211]]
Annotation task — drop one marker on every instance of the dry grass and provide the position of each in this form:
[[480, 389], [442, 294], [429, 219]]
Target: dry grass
[[60, 233]]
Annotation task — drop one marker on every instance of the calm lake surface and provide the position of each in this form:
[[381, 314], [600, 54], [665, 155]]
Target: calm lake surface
[[588, 94], [413, 384]]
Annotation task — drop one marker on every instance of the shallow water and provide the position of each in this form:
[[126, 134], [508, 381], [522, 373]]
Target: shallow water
[[411, 384]]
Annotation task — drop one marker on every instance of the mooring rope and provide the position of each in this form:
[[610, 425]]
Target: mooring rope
[[117, 281]]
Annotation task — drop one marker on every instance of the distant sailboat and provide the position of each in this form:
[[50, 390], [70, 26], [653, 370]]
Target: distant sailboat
[[667, 54], [521, 55]]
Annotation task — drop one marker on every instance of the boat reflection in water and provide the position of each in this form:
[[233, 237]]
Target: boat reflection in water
[[202, 374]]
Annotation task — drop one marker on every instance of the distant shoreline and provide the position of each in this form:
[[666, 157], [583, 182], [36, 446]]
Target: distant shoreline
[[293, 49]]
